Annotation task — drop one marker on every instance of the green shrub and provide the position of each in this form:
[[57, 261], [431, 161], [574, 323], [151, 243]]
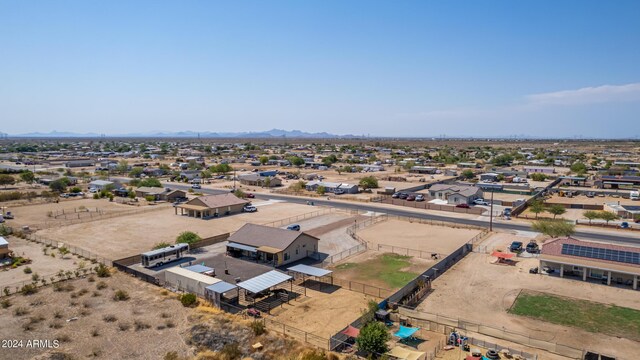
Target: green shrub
[[102, 271], [27, 270], [258, 328], [29, 289], [189, 300], [121, 295]]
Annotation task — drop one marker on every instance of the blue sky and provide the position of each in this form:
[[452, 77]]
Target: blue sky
[[410, 68]]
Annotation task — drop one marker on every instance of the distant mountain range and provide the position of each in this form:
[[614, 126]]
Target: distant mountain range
[[273, 133]]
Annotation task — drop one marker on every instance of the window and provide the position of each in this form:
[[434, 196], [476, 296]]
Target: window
[[286, 256], [296, 251]]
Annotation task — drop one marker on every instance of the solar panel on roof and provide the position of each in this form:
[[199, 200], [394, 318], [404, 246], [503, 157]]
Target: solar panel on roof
[[628, 257]]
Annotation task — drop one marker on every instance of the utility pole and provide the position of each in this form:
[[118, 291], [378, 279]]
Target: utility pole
[[491, 212]]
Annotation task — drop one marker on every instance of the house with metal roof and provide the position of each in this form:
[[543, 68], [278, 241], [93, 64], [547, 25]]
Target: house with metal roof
[[158, 193], [258, 180], [607, 263], [455, 194], [270, 245], [209, 206], [4, 248]]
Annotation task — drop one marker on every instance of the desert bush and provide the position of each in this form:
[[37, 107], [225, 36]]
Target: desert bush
[[124, 326], [109, 318], [165, 315], [21, 311], [102, 271], [141, 325], [121, 295], [5, 303], [95, 332], [170, 324], [91, 279], [258, 328], [101, 285], [27, 270], [189, 300], [231, 351], [63, 338], [55, 325]]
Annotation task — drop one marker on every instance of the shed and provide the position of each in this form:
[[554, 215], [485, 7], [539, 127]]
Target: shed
[[216, 292], [189, 281]]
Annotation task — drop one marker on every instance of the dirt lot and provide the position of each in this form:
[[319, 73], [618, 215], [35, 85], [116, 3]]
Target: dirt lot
[[423, 237], [126, 235], [597, 200], [90, 335], [65, 210], [483, 291], [44, 265], [323, 313]]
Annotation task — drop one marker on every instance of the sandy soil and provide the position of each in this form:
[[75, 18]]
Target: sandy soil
[[597, 200], [477, 290], [423, 237], [145, 305], [127, 235], [323, 313], [44, 265]]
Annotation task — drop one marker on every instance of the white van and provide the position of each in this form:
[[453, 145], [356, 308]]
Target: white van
[[634, 195]]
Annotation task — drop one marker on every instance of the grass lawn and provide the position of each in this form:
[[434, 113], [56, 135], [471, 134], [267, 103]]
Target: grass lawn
[[385, 268], [590, 316]]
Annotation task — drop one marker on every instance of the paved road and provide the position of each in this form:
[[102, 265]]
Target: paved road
[[401, 212]]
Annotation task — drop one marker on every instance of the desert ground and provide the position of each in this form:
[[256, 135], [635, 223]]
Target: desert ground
[[79, 317], [596, 200], [483, 292], [126, 235], [323, 313], [45, 266], [416, 236]]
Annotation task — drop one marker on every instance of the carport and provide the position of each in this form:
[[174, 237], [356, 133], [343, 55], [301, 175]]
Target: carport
[[243, 250], [259, 285], [314, 272], [216, 292]]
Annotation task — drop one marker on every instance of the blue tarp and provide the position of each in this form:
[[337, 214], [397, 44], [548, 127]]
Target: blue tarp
[[405, 332]]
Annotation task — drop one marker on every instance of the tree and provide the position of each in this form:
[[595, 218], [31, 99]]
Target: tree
[[28, 177], [590, 214], [296, 161], [263, 160], [298, 186], [538, 177], [150, 182], [160, 245], [468, 174], [239, 193], [556, 209], [7, 180], [63, 251], [607, 216], [553, 228], [58, 186], [536, 207], [321, 190], [187, 237], [579, 167], [136, 172], [369, 182], [373, 338], [122, 166]]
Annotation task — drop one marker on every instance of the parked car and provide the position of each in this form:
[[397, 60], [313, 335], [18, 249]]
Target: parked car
[[403, 195], [411, 198], [294, 227], [420, 198], [339, 191], [507, 212], [249, 208], [93, 190], [250, 195], [480, 202], [532, 247], [8, 215], [196, 186], [464, 206], [395, 195], [516, 246], [590, 194]]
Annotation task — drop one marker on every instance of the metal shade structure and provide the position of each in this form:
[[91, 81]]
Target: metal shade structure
[[264, 282], [242, 247], [310, 270]]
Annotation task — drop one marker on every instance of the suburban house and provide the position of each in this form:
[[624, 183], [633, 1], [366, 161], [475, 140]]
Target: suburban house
[[455, 194], [190, 174], [489, 177], [101, 184], [257, 180], [331, 187], [271, 245], [539, 169], [623, 211], [4, 248], [154, 172], [573, 181], [160, 194], [212, 206], [585, 260]]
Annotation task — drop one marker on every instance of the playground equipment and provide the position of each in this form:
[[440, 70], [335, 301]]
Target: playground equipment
[[457, 339]]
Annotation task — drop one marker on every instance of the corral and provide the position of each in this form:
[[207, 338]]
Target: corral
[[484, 292]]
